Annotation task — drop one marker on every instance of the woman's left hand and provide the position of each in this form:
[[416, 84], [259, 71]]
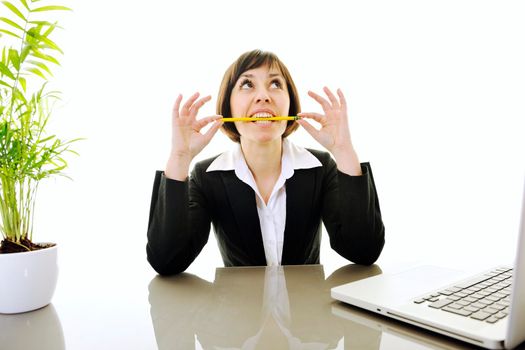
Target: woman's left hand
[[334, 133]]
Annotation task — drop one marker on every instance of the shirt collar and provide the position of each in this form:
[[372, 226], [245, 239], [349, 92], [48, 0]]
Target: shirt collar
[[294, 157]]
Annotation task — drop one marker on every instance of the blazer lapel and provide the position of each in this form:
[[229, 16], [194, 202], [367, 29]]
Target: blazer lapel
[[242, 201]]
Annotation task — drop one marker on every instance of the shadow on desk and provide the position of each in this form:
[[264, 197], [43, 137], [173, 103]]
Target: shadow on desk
[[250, 308]]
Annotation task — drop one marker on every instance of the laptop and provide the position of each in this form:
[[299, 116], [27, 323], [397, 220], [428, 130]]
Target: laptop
[[487, 309]]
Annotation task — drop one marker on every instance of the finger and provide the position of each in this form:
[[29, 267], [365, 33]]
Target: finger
[[197, 105], [342, 98], [208, 135], [309, 128], [320, 118], [324, 103], [176, 106], [201, 123], [186, 108], [331, 97]]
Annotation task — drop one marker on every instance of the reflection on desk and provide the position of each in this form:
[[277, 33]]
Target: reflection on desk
[[248, 308], [275, 308], [39, 329]]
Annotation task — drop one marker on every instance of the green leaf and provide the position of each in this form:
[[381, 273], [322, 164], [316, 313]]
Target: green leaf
[[41, 65], [24, 3], [11, 23], [22, 81], [36, 71], [49, 30], [15, 59], [15, 10], [5, 70], [45, 57], [51, 8], [10, 33], [47, 139], [20, 97], [25, 52], [41, 23], [50, 43], [5, 84]]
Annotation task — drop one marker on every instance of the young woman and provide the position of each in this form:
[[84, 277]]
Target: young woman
[[267, 197]]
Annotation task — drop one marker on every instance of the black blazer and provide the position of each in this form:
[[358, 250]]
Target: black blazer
[[181, 213]]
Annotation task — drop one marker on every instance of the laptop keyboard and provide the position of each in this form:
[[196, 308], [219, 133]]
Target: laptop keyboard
[[485, 298]]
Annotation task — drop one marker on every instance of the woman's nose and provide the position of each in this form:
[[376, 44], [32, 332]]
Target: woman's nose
[[262, 96]]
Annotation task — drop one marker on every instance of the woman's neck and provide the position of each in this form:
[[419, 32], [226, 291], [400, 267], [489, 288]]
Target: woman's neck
[[263, 159]]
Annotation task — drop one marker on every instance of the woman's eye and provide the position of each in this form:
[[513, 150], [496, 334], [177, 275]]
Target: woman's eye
[[246, 84], [276, 84]]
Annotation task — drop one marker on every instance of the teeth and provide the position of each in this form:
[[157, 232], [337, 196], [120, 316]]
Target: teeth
[[262, 115]]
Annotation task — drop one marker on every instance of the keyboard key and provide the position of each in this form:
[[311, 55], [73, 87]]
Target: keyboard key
[[479, 305], [476, 296], [440, 303], [491, 310], [499, 307], [456, 306], [461, 312], [503, 269], [480, 315], [492, 298], [471, 308], [471, 299], [492, 319], [419, 301], [446, 292]]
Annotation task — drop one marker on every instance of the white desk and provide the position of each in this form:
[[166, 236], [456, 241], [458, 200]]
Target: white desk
[[241, 308]]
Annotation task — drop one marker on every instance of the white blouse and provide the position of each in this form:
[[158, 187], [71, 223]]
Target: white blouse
[[272, 216]]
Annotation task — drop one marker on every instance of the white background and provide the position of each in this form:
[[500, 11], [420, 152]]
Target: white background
[[435, 88]]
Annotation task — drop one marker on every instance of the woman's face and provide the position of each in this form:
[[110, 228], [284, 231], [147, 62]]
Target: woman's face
[[260, 92]]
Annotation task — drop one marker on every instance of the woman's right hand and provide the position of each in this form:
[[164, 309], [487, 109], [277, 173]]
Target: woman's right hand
[[186, 139]]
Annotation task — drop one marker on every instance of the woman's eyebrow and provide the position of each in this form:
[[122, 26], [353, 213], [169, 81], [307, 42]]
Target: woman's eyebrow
[[271, 75]]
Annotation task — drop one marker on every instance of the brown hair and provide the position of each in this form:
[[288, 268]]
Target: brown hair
[[250, 60]]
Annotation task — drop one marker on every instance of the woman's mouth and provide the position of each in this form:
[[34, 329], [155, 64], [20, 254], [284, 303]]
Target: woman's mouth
[[262, 115]]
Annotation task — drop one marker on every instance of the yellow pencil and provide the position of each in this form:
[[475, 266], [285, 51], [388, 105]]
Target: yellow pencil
[[248, 119]]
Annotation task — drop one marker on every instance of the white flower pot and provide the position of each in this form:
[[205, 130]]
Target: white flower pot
[[28, 280]]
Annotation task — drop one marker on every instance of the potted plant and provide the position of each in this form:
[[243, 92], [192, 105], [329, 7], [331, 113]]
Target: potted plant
[[28, 153]]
